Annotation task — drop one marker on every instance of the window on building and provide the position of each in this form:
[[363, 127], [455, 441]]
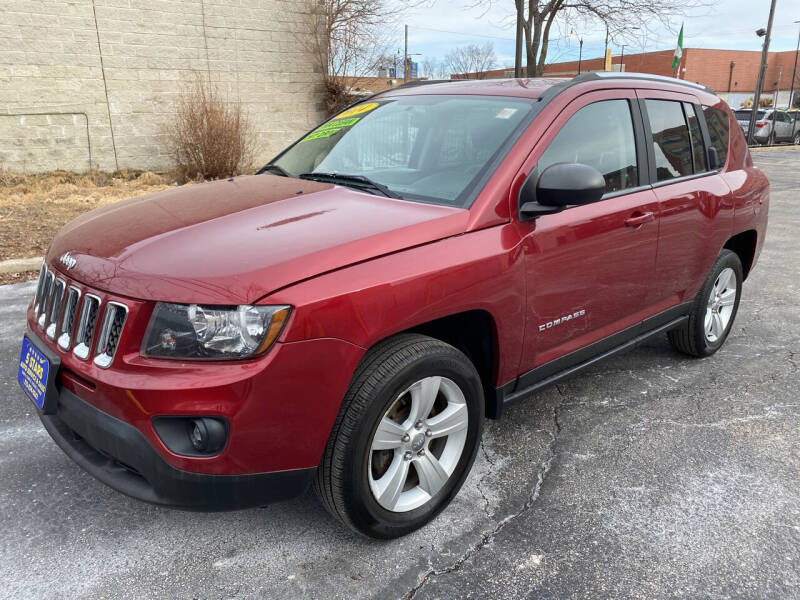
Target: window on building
[[717, 122], [671, 143], [599, 135], [698, 148]]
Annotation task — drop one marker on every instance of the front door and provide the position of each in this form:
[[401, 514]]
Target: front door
[[589, 268]]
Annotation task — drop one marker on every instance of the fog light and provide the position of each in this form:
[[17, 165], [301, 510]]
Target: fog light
[[206, 435], [192, 436], [199, 435]]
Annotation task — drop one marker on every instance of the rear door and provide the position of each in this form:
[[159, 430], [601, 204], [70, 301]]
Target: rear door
[[589, 268], [694, 201]]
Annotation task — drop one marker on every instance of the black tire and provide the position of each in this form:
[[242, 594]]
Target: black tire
[[690, 338], [385, 372], [796, 139]]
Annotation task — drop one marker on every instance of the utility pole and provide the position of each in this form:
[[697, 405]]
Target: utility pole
[[621, 59], [794, 70], [761, 71], [518, 49], [405, 57], [580, 54], [777, 88]]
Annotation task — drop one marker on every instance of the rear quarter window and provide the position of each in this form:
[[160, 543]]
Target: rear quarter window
[[717, 121]]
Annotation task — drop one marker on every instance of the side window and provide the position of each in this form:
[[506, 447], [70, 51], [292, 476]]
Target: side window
[[671, 143], [717, 121], [698, 149], [599, 135]]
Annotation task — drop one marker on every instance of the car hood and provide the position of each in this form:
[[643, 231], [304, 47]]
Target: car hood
[[234, 241]]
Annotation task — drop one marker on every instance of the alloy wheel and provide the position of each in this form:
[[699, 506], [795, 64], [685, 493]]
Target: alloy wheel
[[417, 444], [719, 309]]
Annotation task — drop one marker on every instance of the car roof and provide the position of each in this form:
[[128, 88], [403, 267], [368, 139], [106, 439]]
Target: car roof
[[539, 87]]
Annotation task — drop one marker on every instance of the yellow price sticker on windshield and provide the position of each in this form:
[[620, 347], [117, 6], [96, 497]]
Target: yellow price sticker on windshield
[[357, 110]]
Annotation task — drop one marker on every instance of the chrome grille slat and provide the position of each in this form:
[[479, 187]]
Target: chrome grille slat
[[47, 297], [110, 332], [39, 289], [55, 306], [86, 325], [67, 324]]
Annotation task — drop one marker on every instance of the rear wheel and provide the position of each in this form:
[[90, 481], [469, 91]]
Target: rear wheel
[[796, 139], [405, 437], [714, 309]]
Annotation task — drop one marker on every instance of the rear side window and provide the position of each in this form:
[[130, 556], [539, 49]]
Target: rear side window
[[599, 135], [698, 149], [717, 121], [671, 142]]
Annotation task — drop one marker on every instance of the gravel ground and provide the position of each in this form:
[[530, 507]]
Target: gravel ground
[[647, 476]]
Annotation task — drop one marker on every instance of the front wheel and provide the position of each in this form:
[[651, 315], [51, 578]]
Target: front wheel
[[714, 309], [405, 437], [796, 139]]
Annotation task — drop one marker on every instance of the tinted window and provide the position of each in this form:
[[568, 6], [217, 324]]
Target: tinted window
[[717, 121], [599, 135], [671, 142], [698, 149]]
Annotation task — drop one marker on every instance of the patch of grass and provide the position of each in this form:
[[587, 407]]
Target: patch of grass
[[34, 207]]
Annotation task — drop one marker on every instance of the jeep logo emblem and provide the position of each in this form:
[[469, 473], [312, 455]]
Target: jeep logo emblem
[[67, 261]]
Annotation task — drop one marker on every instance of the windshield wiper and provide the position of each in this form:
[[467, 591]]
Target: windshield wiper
[[356, 181], [271, 168]]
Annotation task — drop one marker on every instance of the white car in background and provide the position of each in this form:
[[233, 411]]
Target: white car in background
[[771, 125]]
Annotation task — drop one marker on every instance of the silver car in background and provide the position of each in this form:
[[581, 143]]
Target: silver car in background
[[771, 125]]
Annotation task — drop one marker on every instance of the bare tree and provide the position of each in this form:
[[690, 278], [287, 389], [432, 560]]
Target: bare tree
[[621, 19], [471, 61], [349, 40], [429, 68]]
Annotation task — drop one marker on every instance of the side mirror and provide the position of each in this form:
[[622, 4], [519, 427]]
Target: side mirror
[[713, 159], [560, 185]]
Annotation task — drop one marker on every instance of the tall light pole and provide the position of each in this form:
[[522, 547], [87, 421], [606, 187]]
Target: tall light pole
[[518, 42], [794, 69], [405, 59], [622, 58], [761, 70], [580, 54]]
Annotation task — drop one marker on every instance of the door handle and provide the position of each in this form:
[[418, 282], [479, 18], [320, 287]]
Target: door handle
[[639, 219]]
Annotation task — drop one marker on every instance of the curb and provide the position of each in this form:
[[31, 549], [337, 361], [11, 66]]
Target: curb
[[21, 265]]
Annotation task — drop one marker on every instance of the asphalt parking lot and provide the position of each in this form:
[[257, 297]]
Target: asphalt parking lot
[[648, 476]]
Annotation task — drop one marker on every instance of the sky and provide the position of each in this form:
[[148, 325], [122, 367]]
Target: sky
[[440, 25]]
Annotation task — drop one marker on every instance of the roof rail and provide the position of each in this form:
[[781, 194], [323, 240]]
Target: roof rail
[[599, 75], [417, 82]]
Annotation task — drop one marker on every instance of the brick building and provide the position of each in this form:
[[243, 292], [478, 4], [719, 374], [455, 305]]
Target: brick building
[[94, 81], [731, 73]]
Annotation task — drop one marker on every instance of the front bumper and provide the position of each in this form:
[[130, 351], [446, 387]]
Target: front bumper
[[117, 454], [279, 409]]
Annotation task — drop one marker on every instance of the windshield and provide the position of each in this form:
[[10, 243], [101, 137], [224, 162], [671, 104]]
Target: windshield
[[430, 148], [744, 115]]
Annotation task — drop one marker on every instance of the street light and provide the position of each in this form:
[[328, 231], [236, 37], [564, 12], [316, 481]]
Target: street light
[[761, 32], [580, 49]]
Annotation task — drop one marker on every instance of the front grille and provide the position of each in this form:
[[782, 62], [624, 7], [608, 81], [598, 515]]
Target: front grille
[[86, 324], [68, 318], [110, 332], [59, 312], [55, 307]]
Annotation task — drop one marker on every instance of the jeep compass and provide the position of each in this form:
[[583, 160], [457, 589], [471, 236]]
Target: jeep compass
[[347, 317]]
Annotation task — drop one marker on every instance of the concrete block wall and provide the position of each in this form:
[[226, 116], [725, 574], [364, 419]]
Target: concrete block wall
[[102, 75]]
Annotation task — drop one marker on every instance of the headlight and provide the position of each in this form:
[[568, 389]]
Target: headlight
[[192, 331]]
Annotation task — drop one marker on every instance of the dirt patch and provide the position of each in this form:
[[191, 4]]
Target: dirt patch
[[34, 207]]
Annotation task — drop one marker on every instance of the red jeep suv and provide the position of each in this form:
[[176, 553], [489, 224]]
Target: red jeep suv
[[349, 315]]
